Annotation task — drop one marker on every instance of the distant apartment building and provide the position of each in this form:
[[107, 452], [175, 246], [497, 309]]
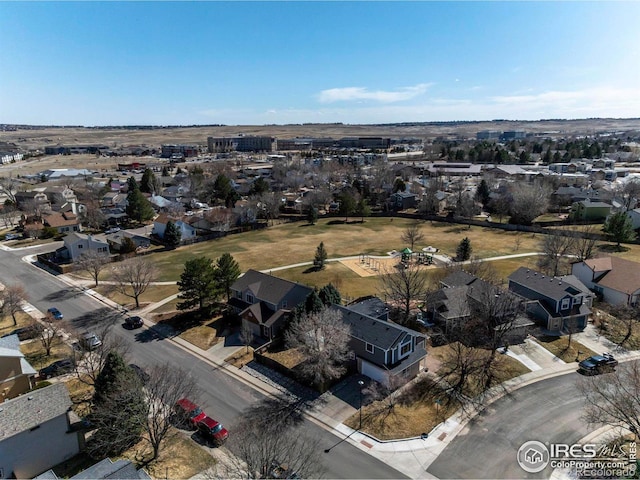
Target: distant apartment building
[[74, 149], [513, 135], [364, 142]]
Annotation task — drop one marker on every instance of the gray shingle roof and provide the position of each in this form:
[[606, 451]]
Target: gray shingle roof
[[551, 287], [108, 469], [376, 332], [33, 409], [373, 307], [269, 288], [458, 278]]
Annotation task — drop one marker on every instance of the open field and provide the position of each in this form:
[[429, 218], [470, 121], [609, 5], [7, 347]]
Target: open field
[[40, 137]]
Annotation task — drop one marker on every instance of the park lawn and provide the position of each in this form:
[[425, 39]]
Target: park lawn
[[154, 293], [292, 243], [560, 347]]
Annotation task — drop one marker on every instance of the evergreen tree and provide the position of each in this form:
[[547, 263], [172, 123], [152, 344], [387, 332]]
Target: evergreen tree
[[165, 171], [148, 184], [463, 252], [320, 257], [138, 207], [127, 245], [259, 186], [312, 303], [330, 295], [312, 215], [132, 184], [347, 204], [399, 185], [120, 410], [619, 228], [197, 283], [362, 209], [483, 192], [227, 271], [172, 235]]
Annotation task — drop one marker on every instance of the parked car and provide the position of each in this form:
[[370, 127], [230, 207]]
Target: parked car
[[112, 230], [59, 367], [54, 314], [28, 332], [90, 341], [598, 364], [188, 412], [140, 372], [213, 431], [133, 322], [13, 236]]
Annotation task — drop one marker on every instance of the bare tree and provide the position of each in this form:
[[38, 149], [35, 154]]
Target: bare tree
[[412, 234], [133, 277], [92, 262], [90, 364], [9, 216], [48, 336], [9, 187], [402, 286], [555, 248], [528, 202], [584, 243], [268, 443], [323, 340], [13, 298], [166, 385], [630, 318], [458, 372], [613, 399], [246, 335]]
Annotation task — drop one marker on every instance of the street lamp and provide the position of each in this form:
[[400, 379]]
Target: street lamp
[[361, 384]]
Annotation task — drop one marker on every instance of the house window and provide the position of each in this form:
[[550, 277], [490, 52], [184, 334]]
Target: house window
[[405, 349], [566, 303], [79, 246], [577, 300], [284, 304], [249, 298], [368, 347], [238, 294]]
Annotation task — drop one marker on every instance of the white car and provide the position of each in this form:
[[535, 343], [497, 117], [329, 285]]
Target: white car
[[90, 341]]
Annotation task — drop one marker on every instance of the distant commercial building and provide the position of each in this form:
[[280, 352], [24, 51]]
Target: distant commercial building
[[74, 149], [364, 142], [513, 135], [172, 150], [240, 144], [488, 135]]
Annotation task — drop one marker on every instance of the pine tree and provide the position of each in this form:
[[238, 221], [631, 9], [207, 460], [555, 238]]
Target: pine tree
[[313, 304], [138, 207], [312, 215], [321, 257], [197, 283], [619, 228], [463, 252], [172, 235], [483, 192], [227, 271], [330, 295]]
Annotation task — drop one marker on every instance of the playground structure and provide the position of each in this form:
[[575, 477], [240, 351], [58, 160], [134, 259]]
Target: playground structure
[[418, 258], [371, 263]]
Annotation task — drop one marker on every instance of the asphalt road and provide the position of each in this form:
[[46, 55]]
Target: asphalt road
[[222, 396], [548, 411]]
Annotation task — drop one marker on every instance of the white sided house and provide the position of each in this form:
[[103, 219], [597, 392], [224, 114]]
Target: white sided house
[[79, 243], [35, 432], [160, 225], [614, 279]]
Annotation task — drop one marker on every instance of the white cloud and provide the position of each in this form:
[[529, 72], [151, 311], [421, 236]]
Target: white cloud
[[347, 94]]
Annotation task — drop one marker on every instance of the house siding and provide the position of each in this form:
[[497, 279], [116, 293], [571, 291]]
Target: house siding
[[32, 452]]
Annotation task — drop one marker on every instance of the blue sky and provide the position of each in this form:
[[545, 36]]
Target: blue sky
[[247, 63]]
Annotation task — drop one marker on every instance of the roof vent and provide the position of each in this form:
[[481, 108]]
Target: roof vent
[[29, 397]]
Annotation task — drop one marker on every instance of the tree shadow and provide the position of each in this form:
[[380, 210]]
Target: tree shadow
[[609, 248], [99, 318]]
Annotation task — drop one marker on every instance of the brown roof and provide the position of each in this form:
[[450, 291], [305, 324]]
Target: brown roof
[[623, 275], [55, 219]]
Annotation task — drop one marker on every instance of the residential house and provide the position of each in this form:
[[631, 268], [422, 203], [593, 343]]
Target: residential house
[[60, 194], [76, 244], [115, 240], [63, 222], [114, 200], [590, 210], [384, 351], [370, 306], [186, 230], [33, 200], [402, 200], [265, 302], [35, 432], [615, 279], [16, 374], [558, 306]]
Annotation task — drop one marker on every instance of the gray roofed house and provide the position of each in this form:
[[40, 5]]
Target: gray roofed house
[[560, 306], [371, 306], [276, 298], [108, 469], [384, 351], [37, 423], [458, 278]]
